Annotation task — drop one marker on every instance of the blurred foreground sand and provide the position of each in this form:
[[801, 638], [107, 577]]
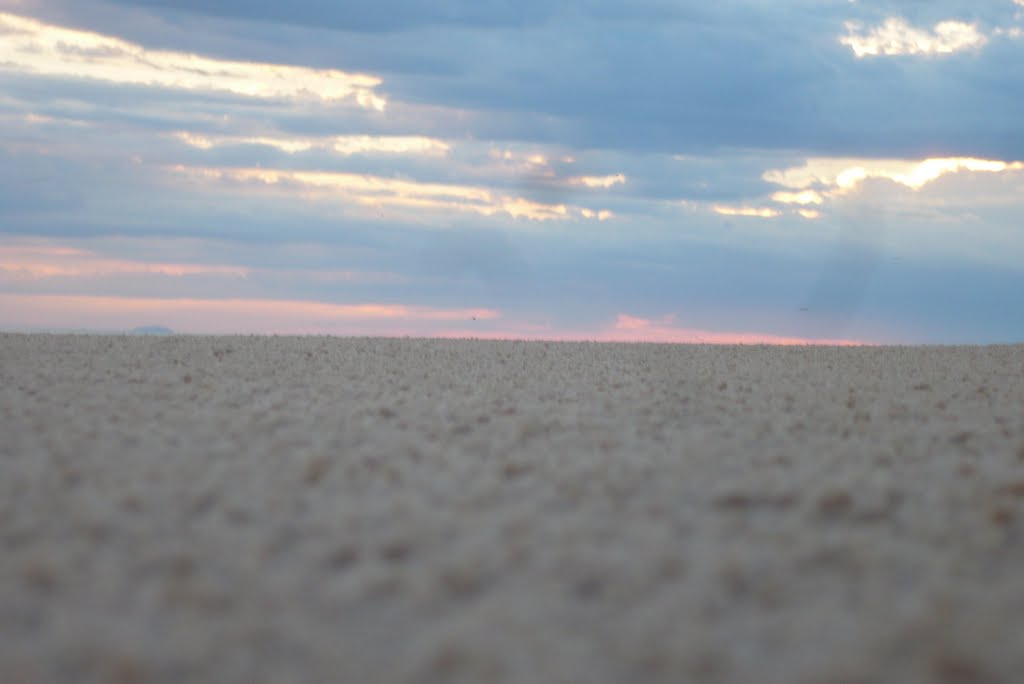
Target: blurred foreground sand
[[263, 509]]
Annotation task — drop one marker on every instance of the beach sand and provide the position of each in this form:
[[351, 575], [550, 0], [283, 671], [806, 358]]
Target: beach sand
[[285, 509]]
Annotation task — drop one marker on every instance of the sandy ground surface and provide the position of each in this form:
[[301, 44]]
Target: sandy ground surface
[[254, 509]]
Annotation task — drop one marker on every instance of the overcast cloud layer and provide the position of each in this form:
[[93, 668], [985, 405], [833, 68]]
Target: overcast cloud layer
[[671, 171]]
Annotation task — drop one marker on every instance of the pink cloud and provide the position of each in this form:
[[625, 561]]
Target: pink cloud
[[36, 261], [627, 322], [219, 316]]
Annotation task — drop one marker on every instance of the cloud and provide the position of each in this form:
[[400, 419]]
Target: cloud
[[34, 311], [756, 212], [47, 261], [378, 192], [840, 175], [602, 215], [186, 268], [380, 16], [571, 74], [803, 197], [598, 181], [346, 145], [896, 37], [1014, 32], [33, 47]]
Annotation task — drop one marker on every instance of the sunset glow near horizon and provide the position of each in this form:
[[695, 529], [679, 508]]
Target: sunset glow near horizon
[[812, 171]]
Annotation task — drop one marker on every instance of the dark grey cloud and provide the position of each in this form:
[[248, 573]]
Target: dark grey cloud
[[783, 83], [644, 76], [30, 184], [391, 16], [373, 17]]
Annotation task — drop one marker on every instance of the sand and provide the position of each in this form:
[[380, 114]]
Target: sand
[[272, 509]]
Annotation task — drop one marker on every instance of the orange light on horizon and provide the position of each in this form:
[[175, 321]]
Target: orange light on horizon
[[260, 316], [634, 329]]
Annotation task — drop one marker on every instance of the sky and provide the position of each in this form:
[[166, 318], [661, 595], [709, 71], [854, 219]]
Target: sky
[[780, 171]]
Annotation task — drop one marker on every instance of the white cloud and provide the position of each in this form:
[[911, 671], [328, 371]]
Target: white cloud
[[752, 212], [803, 197], [896, 37], [376, 192], [598, 181], [31, 46], [836, 176], [345, 146], [602, 215], [409, 144]]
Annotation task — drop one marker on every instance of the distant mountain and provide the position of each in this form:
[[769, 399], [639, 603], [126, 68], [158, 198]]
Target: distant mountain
[[151, 330]]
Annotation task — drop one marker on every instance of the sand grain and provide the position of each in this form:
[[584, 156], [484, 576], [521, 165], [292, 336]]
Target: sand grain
[[242, 509]]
